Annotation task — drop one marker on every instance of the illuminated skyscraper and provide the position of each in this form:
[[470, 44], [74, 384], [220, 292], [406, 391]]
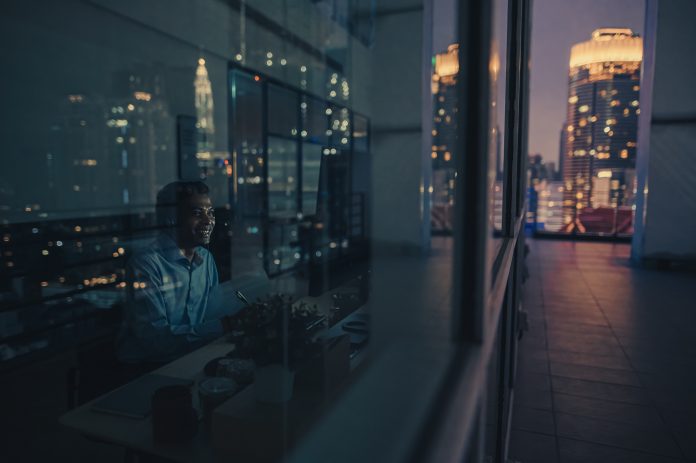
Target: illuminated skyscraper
[[204, 107], [601, 128]]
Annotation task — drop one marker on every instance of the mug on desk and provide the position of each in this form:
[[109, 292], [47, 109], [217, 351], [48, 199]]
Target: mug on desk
[[173, 416], [212, 392]]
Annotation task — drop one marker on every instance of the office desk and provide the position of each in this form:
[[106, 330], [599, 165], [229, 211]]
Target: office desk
[[136, 434]]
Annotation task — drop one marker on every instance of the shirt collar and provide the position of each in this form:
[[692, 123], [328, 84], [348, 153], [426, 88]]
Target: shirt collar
[[172, 253]]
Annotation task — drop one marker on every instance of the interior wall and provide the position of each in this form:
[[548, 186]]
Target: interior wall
[[669, 214]]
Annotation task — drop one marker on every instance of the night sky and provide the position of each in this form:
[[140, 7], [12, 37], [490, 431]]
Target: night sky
[[556, 26]]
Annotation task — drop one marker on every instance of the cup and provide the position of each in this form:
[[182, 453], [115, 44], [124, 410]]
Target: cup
[[173, 416], [212, 392]]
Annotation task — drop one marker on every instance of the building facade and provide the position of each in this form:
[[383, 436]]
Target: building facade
[[601, 129]]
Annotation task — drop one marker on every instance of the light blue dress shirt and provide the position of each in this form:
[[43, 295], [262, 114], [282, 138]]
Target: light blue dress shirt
[[170, 310]]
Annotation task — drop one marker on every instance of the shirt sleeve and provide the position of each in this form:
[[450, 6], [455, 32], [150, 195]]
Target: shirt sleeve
[[146, 318], [222, 300]]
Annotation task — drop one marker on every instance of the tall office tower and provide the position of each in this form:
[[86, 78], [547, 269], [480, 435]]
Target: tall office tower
[[600, 146], [443, 85], [204, 108], [141, 133]]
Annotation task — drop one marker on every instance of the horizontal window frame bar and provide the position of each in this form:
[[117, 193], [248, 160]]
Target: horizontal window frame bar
[[674, 120]]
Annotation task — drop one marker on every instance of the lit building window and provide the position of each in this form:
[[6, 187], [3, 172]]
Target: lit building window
[[142, 96], [584, 108]]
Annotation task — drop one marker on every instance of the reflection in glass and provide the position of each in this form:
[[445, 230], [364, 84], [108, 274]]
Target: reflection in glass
[[282, 111], [444, 135], [315, 120], [282, 178], [247, 181], [497, 130], [360, 139], [311, 161]]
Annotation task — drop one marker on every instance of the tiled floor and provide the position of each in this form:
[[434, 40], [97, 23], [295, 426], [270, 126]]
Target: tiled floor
[[607, 371]]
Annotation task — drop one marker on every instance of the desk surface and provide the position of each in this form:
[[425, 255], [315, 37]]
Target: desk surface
[[136, 434]]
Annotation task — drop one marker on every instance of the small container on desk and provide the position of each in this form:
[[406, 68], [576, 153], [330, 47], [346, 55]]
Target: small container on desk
[[212, 392]]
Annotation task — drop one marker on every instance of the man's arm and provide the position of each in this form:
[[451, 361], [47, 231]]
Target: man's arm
[[146, 318]]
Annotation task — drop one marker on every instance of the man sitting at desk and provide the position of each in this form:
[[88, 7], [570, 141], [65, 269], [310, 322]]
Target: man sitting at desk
[[170, 311]]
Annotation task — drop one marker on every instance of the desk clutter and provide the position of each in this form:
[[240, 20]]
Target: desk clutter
[[134, 400], [266, 384], [173, 417]]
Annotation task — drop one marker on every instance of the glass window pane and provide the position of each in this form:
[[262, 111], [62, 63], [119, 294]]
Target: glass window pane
[[315, 120], [311, 162], [204, 194], [444, 151], [497, 166], [339, 123], [247, 149], [360, 134], [282, 178], [282, 111]]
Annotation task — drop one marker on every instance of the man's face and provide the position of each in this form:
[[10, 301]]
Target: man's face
[[196, 221]]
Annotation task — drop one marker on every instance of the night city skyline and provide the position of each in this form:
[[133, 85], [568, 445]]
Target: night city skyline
[[558, 25], [348, 231]]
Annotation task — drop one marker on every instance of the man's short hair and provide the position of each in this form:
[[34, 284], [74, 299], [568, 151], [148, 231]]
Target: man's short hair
[[172, 196]]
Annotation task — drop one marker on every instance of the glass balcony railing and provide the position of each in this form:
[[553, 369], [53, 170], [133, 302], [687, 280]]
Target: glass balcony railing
[[551, 212]]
